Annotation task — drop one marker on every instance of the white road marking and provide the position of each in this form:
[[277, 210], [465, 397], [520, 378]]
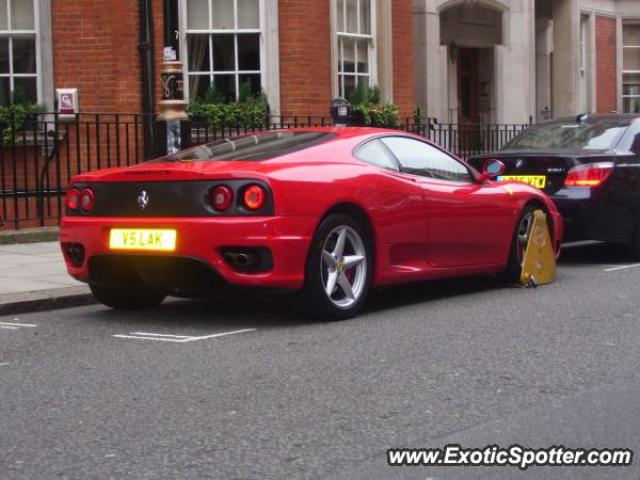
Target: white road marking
[[161, 337], [3, 364], [157, 339], [625, 267], [26, 325], [3, 327], [246, 330]]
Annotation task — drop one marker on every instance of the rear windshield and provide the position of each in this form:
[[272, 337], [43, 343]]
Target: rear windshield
[[252, 147], [569, 136]]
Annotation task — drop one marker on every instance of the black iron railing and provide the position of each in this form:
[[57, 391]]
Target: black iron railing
[[40, 155]]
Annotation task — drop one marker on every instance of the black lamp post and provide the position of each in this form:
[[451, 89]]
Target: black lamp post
[[172, 104]]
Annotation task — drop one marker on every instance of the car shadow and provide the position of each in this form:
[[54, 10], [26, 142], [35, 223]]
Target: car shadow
[[231, 311], [595, 253], [421, 292], [239, 310], [250, 309]]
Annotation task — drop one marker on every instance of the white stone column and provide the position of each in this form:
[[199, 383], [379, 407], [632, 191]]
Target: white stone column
[[515, 64], [430, 61], [385, 49], [543, 66], [566, 57]]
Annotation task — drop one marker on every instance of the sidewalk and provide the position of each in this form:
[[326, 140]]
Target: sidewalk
[[34, 277]]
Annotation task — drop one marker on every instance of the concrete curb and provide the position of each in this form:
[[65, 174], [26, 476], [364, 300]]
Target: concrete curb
[[42, 300], [29, 235]]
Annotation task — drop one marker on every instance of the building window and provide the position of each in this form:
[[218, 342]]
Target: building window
[[18, 51], [631, 68], [355, 47], [223, 48]]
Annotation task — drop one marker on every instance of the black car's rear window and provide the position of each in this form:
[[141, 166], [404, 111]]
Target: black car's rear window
[[570, 136], [262, 146]]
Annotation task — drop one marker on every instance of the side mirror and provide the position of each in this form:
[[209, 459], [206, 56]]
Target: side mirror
[[492, 168]]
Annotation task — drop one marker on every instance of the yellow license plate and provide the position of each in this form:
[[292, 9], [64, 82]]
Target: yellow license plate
[[538, 181], [146, 239]]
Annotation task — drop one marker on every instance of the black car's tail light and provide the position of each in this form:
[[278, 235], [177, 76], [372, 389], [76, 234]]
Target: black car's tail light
[[254, 197], [591, 175], [72, 199], [221, 198], [87, 200]]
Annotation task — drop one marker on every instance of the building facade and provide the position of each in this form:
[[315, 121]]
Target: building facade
[[302, 53], [515, 61]]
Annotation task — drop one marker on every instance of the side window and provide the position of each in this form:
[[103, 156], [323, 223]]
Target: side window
[[376, 154], [420, 158]]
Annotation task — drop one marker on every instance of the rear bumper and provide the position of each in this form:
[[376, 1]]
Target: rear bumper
[[286, 238], [589, 215], [576, 218]]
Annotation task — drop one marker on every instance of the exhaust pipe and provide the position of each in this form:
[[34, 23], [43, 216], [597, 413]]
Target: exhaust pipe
[[248, 259], [241, 260]]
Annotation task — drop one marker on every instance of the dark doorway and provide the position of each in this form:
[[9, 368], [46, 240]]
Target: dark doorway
[[468, 86]]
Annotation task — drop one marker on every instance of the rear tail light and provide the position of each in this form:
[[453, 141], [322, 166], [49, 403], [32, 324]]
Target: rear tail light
[[590, 175], [87, 200], [221, 198], [255, 197], [72, 199]]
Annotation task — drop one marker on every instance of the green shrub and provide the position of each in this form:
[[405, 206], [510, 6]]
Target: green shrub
[[15, 116], [250, 111], [378, 114], [368, 110]]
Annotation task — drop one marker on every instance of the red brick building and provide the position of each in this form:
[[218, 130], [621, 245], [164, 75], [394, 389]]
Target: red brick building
[[302, 53], [523, 57]]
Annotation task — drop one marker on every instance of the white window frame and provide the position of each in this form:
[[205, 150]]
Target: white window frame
[[588, 99], [626, 21], [235, 31], [338, 51], [36, 33]]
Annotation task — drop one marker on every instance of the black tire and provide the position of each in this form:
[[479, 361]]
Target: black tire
[[314, 301], [127, 298], [516, 255]]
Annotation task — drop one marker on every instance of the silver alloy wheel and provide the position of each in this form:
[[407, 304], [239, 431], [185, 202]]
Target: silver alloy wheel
[[522, 236], [343, 267]]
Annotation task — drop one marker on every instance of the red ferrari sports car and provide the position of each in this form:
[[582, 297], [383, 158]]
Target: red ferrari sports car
[[327, 212]]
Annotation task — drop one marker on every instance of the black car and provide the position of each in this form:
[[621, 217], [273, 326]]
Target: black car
[[589, 166]]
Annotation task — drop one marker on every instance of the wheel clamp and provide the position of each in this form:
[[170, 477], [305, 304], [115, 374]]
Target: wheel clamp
[[539, 266]]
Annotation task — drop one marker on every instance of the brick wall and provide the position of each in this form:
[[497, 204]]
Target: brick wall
[[403, 95], [606, 79], [305, 57], [96, 50]]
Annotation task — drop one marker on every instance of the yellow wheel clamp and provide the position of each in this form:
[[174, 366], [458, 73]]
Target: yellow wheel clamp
[[539, 266]]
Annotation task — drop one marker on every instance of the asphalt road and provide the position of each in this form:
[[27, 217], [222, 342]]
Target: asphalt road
[[91, 393]]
